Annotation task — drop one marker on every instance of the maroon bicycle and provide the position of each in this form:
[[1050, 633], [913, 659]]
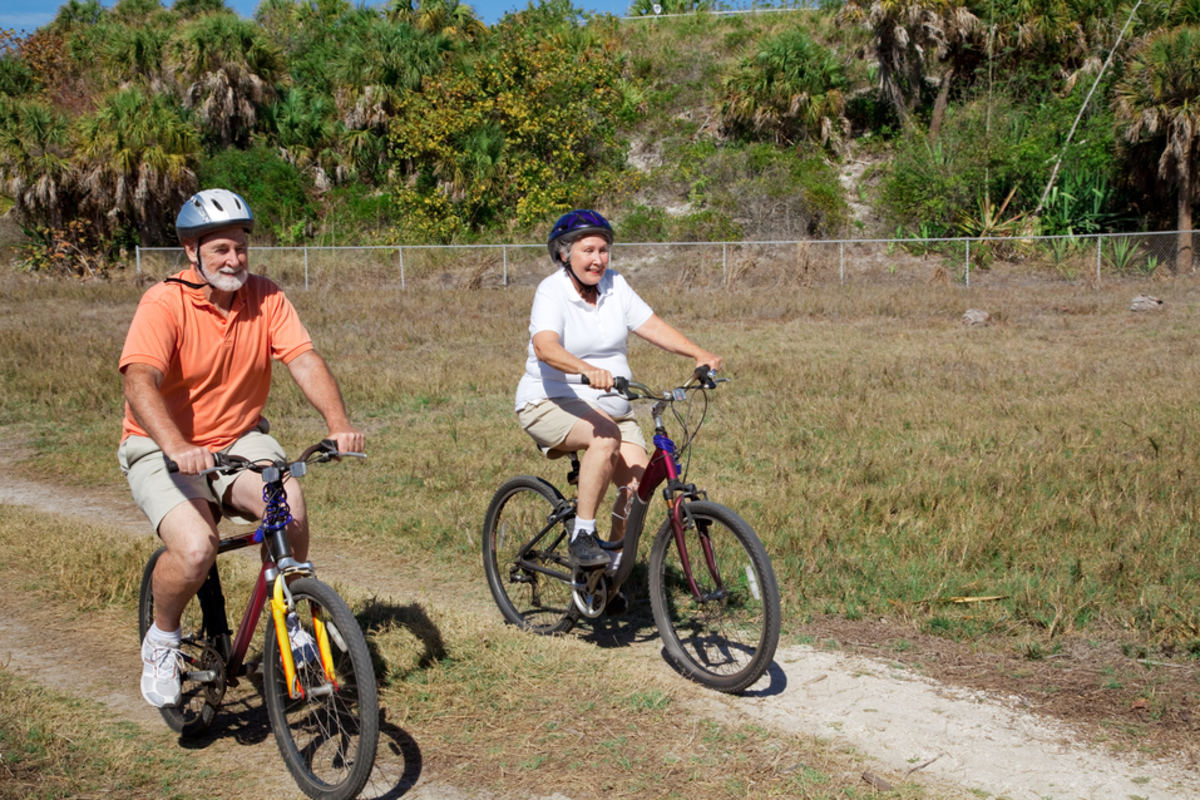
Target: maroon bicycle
[[712, 589]]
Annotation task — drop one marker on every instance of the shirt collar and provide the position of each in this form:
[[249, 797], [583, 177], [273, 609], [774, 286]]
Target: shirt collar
[[603, 289]]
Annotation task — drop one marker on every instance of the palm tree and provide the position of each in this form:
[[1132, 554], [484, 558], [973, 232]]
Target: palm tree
[[1156, 103], [911, 37], [136, 157], [35, 165], [228, 69], [791, 88], [452, 19], [134, 54], [304, 127], [376, 69], [189, 9]]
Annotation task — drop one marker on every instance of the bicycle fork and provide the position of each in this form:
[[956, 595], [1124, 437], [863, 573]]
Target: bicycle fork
[[281, 604]]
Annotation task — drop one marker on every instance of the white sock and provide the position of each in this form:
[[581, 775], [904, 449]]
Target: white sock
[[583, 526], [157, 634]]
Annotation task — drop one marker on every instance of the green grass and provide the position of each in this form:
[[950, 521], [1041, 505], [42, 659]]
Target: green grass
[[889, 458], [55, 746], [488, 706]]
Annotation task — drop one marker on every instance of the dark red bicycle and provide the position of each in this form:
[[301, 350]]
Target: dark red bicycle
[[712, 589]]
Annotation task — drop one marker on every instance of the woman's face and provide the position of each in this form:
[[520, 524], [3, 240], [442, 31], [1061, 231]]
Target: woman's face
[[589, 259]]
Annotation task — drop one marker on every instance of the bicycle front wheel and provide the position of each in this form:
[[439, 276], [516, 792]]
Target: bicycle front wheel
[[723, 636], [526, 565], [328, 735], [202, 673]]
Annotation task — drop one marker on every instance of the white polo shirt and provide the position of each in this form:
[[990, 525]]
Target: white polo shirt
[[598, 335]]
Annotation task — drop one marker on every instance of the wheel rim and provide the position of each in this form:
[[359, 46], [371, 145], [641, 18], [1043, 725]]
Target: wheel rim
[[324, 725], [721, 635], [540, 601]]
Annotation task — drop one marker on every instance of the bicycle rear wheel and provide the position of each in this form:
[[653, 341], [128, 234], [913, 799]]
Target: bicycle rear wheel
[[528, 598], [726, 638], [199, 649], [328, 735]]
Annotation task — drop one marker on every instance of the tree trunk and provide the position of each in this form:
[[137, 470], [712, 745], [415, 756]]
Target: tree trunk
[[939, 105], [1183, 256]]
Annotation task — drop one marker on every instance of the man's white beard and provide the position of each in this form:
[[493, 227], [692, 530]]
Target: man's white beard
[[223, 281]]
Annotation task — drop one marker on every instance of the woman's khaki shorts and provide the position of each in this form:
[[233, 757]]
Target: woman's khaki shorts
[[157, 491], [549, 422]]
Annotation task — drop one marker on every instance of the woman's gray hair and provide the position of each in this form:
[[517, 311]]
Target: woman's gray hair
[[562, 248]]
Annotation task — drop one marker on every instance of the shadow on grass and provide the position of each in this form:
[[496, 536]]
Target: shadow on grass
[[637, 627], [398, 762]]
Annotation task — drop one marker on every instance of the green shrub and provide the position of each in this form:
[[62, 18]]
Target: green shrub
[[276, 191]]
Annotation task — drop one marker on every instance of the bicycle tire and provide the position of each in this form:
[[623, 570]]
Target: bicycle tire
[[726, 642], [328, 736], [196, 711], [528, 599]]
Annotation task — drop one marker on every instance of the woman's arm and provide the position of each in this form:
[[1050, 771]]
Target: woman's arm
[[547, 346], [660, 334]]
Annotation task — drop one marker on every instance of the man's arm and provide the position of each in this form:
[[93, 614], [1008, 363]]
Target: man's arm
[[141, 387], [317, 382]]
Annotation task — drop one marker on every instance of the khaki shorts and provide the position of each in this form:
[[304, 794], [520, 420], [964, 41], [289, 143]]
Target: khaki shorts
[[549, 422], [157, 491]]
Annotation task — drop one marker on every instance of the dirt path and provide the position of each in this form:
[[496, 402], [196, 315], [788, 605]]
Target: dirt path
[[971, 736]]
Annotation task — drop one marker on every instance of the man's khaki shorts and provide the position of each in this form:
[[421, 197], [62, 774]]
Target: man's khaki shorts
[[549, 422], [157, 491]]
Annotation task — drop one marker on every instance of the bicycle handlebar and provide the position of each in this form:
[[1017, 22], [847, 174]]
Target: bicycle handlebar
[[632, 390], [324, 450]]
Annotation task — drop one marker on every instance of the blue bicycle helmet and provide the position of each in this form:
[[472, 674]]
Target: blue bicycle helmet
[[210, 210], [577, 224]]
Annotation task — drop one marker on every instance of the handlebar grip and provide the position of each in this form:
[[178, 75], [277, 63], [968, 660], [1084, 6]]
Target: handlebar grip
[[620, 384], [171, 465], [704, 375]]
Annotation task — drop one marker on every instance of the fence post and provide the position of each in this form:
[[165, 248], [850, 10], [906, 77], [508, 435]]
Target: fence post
[[504, 250], [138, 258], [306, 268], [400, 255], [841, 263], [968, 272], [1099, 245]]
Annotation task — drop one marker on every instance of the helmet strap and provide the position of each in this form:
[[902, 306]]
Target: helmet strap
[[580, 286], [186, 283]]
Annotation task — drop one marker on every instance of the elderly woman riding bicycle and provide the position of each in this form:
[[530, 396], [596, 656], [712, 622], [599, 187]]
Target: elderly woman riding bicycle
[[579, 325]]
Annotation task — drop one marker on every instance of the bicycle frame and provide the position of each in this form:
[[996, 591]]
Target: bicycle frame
[[277, 564], [662, 468]]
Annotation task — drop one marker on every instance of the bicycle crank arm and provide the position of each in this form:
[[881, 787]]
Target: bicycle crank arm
[[201, 676]]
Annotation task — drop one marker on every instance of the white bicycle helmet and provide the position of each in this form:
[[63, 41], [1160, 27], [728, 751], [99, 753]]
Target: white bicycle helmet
[[210, 210]]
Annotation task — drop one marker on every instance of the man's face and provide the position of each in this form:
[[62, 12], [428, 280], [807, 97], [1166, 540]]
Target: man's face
[[223, 256]]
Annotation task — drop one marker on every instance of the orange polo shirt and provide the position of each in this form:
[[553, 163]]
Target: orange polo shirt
[[216, 370]]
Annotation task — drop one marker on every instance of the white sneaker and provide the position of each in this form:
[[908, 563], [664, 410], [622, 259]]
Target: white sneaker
[[304, 646], [160, 673]]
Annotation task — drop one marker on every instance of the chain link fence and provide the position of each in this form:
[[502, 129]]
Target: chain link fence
[[728, 265]]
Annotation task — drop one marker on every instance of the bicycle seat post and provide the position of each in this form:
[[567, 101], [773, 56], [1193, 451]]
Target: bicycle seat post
[[573, 474]]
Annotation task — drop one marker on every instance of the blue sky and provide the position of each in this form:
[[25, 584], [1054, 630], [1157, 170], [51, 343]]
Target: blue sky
[[29, 15]]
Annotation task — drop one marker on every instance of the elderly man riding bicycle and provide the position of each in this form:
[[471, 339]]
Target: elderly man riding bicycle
[[197, 372], [579, 325]]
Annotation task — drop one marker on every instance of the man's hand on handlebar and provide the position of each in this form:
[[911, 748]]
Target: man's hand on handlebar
[[191, 460], [349, 440]]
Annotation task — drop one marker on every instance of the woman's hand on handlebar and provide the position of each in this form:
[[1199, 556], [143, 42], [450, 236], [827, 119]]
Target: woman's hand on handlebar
[[600, 379], [710, 360]]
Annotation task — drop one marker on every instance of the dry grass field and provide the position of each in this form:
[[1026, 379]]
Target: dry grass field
[[1013, 486]]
